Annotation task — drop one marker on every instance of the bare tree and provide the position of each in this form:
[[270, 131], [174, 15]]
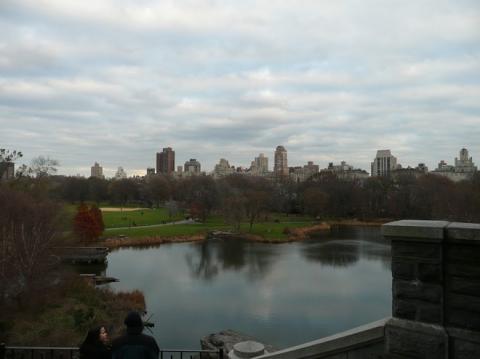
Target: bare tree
[[44, 166], [29, 230]]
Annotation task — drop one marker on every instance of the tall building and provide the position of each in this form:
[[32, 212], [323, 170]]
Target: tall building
[[192, 167], [384, 163], [96, 171], [301, 174], [464, 163], [261, 164], [120, 174], [464, 168], [7, 170], [344, 171], [223, 169], [166, 161], [280, 168]]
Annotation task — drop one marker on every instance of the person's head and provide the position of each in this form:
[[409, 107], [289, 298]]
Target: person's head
[[103, 334], [96, 336], [134, 322]]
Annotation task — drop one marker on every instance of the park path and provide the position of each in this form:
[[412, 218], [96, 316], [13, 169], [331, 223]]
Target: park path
[[183, 221]]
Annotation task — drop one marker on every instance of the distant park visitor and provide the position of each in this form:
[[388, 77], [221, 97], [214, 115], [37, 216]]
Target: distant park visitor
[[134, 344]]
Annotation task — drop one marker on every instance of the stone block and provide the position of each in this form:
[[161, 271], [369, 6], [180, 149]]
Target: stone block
[[463, 319], [368, 352], [404, 309], [463, 231], [415, 229], [430, 313], [464, 286], [403, 270], [420, 252], [464, 343], [470, 270], [463, 253], [417, 290], [463, 349], [415, 340], [430, 272], [464, 302]]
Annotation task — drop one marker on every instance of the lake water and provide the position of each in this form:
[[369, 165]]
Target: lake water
[[282, 294]]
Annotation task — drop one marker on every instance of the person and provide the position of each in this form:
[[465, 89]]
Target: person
[[134, 344], [95, 345]]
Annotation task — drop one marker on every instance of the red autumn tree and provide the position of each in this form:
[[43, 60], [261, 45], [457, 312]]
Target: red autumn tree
[[88, 223], [97, 214]]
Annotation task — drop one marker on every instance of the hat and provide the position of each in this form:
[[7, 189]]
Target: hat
[[133, 320]]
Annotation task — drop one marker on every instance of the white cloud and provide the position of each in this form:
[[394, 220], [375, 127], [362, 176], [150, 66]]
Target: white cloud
[[115, 81]]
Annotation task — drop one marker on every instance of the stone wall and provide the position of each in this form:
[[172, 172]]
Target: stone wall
[[436, 290]]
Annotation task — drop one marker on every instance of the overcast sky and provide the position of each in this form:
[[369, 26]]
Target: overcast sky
[[114, 81]]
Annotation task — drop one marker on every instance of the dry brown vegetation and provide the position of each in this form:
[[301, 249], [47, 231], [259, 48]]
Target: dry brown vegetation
[[113, 243]]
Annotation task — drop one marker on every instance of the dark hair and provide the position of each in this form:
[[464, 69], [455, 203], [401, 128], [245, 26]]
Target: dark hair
[[92, 340]]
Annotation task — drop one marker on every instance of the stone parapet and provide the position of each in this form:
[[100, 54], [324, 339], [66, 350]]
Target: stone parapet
[[436, 289]]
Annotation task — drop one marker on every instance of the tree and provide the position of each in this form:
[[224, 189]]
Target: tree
[[233, 209], [157, 189], [123, 190], [200, 194], [315, 201], [88, 223], [30, 230], [255, 204], [97, 189], [75, 189], [44, 166]]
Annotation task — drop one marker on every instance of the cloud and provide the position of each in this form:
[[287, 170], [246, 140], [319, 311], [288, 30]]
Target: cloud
[[115, 81]]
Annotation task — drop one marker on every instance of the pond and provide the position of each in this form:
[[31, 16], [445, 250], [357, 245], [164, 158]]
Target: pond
[[282, 294]]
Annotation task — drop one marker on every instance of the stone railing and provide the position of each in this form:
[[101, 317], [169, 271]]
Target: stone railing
[[366, 341], [436, 290]]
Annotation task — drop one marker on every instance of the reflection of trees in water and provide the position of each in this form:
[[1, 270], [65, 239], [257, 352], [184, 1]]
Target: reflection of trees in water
[[200, 262], [211, 256], [331, 253], [378, 251], [346, 252]]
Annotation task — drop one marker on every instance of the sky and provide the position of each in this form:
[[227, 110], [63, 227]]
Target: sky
[[115, 81]]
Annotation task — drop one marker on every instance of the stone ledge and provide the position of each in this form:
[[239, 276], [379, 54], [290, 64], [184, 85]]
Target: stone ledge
[[464, 231], [415, 229], [338, 343]]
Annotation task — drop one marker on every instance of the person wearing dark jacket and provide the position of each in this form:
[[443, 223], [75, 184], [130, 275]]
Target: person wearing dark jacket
[[134, 344], [95, 345]]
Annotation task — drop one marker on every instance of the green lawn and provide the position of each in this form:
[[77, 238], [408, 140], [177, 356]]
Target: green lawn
[[272, 230], [170, 230], [143, 217], [269, 230]]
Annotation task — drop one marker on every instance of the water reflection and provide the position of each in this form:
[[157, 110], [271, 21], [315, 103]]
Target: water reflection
[[332, 253], [343, 246], [208, 258]]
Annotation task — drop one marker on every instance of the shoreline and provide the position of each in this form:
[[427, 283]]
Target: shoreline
[[293, 235], [113, 243]]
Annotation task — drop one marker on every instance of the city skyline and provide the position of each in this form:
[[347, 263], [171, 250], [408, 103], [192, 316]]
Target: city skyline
[[464, 160], [115, 82]]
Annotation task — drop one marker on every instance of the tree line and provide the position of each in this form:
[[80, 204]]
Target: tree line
[[240, 198]]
